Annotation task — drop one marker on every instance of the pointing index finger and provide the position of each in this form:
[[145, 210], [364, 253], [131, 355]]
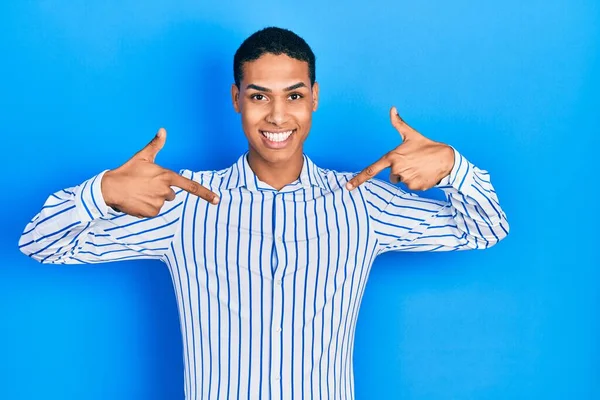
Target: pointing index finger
[[193, 187], [368, 173]]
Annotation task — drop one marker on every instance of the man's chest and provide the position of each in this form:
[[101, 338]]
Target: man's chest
[[272, 234]]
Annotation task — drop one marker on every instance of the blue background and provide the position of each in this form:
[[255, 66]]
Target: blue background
[[512, 85]]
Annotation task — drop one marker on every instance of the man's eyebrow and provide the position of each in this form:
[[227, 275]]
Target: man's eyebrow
[[296, 86], [259, 88], [264, 89]]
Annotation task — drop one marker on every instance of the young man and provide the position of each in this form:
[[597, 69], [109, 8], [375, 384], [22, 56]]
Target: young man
[[270, 257]]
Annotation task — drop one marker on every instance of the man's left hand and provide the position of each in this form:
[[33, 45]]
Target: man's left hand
[[419, 162]]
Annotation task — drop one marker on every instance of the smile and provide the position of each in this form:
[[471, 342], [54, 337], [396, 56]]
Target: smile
[[277, 136]]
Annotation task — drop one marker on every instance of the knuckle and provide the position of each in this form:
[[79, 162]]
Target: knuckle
[[416, 186], [194, 187], [164, 174], [154, 142], [370, 171]]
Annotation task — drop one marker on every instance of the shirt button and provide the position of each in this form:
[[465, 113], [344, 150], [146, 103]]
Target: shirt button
[[279, 238], [277, 378], [278, 282], [278, 329]]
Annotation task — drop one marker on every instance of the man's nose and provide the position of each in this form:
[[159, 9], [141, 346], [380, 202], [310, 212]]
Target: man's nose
[[277, 114]]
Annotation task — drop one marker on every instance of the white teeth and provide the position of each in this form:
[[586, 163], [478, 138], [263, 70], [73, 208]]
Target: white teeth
[[277, 137]]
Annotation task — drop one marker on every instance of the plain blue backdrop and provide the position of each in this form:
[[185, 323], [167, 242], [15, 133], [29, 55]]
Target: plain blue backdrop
[[513, 85]]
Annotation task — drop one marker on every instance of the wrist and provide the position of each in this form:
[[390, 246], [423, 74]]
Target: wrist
[[106, 185], [448, 160]]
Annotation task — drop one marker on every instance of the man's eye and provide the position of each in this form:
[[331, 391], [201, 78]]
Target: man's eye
[[295, 96], [257, 97]]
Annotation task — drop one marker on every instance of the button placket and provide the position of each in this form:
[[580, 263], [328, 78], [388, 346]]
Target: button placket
[[277, 289]]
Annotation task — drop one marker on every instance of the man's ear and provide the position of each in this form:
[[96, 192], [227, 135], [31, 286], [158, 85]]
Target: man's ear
[[235, 97], [315, 96]]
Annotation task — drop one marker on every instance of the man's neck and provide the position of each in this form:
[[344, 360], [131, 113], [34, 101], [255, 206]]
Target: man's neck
[[276, 175]]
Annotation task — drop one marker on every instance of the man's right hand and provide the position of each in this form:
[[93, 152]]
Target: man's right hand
[[140, 187]]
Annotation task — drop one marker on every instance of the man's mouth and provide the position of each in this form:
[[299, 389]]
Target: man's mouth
[[277, 137]]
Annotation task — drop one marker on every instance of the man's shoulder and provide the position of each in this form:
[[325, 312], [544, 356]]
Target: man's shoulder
[[336, 179], [341, 177], [335, 173], [208, 178]]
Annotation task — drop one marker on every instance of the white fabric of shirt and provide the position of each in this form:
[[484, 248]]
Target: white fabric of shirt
[[269, 283]]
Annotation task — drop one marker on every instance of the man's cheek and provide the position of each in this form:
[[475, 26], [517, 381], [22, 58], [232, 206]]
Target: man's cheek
[[251, 116]]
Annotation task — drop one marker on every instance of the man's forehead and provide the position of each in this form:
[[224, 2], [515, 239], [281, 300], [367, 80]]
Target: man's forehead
[[275, 72]]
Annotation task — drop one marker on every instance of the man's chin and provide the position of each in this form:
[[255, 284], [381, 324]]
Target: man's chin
[[276, 156]]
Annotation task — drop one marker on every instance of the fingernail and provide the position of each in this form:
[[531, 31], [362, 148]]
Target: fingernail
[[349, 186], [215, 199]]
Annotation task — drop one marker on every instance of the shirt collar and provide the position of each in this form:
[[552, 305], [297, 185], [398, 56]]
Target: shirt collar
[[241, 175]]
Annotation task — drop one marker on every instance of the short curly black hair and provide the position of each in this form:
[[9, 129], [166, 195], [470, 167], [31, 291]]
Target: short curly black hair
[[275, 41]]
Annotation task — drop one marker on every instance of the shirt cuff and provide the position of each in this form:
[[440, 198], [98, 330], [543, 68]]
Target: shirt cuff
[[461, 173], [89, 201]]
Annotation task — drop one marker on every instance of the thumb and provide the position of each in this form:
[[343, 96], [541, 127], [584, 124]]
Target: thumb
[[149, 152], [401, 126]]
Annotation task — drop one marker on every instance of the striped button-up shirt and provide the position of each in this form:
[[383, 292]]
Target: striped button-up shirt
[[269, 283]]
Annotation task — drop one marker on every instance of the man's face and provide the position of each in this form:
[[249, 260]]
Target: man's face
[[276, 102]]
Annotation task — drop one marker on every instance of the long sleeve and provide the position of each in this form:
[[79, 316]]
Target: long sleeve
[[75, 226], [470, 218]]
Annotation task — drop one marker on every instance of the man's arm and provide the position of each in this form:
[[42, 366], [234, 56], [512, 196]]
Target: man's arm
[[75, 226], [471, 218], [130, 212]]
